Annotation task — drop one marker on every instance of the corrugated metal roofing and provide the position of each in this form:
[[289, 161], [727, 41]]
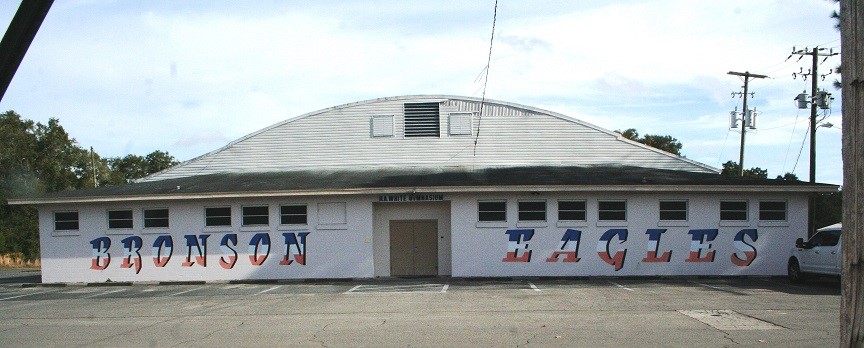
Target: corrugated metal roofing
[[509, 135]]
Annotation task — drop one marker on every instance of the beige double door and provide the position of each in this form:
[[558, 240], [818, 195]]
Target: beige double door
[[413, 247]]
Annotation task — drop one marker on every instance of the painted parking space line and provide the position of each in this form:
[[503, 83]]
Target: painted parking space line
[[533, 287], [620, 286], [103, 293], [398, 289], [186, 291], [24, 295], [268, 290], [708, 286]]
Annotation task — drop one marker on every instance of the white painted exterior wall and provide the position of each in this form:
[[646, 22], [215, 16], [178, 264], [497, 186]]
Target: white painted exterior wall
[[467, 248], [68, 258]]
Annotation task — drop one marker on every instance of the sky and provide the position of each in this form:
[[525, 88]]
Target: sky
[[187, 77]]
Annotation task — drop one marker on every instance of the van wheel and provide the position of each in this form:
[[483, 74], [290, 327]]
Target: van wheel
[[794, 271]]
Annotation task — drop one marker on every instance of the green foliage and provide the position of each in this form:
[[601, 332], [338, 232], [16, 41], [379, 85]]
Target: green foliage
[[828, 208], [36, 157], [662, 142], [788, 177], [732, 168], [131, 167]]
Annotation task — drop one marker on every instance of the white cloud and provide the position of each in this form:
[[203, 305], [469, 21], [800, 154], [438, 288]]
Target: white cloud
[[182, 78]]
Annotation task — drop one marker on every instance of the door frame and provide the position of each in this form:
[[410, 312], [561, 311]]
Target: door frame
[[383, 212]]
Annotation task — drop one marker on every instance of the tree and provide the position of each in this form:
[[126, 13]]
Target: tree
[[827, 209], [131, 167], [852, 61], [662, 142], [732, 168], [36, 157], [788, 177]]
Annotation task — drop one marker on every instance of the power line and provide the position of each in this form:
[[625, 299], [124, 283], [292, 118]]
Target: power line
[[791, 136], [486, 80], [803, 141]]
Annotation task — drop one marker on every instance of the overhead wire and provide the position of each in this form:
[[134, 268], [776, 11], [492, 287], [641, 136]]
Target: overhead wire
[[791, 136], [801, 149], [486, 78]]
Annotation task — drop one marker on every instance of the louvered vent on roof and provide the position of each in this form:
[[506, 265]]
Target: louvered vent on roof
[[422, 120]]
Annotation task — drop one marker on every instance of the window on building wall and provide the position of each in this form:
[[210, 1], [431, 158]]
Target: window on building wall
[[532, 210], [612, 210], [217, 216], [65, 220], [120, 218], [772, 210], [733, 210], [571, 210], [422, 120], [382, 126], [673, 210], [294, 214], [154, 218], [461, 123], [492, 211], [256, 215]]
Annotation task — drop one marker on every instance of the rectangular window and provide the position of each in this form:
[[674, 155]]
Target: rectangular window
[[256, 216], [733, 210], [612, 210], [293, 214], [65, 220], [120, 218], [217, 216], [673, 210], [461, 123], [382, 126], [571, 210], [492, 211], [532, 211], [422, 120], [155, 218], [772, 211]]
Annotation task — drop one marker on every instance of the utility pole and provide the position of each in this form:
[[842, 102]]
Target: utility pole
[[817, 100], [747, 76], [852, 303], [18, 37]]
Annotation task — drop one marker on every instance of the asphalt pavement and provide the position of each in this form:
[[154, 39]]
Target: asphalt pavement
[[424, 312]]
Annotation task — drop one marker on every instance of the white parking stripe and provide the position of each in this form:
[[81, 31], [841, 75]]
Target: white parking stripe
[[533, 286], [183, 292], [103, 293], [444, 289], [352, 289], [620, 286], [35, 293], [270, 289], [708, 286]]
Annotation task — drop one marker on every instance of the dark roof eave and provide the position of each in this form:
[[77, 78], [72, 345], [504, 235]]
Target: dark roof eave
[[179, 195]]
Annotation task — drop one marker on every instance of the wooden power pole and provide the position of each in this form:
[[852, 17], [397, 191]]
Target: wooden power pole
[[747, 77], [852, 63]]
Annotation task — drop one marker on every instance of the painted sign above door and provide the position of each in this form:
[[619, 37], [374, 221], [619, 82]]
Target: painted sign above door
[[412, 197]]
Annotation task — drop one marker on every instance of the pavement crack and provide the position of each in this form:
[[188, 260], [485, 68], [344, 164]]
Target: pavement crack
[[726, 336], [315, 338]]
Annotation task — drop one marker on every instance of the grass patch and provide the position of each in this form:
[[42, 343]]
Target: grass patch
[[17, 260]]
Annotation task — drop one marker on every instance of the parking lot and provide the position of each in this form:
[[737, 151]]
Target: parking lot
[[423, 312]]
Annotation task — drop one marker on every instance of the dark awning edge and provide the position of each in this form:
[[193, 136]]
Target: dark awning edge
[[441, 180]]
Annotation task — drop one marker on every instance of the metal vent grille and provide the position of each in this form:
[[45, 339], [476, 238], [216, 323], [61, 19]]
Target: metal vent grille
[[422, 120]]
